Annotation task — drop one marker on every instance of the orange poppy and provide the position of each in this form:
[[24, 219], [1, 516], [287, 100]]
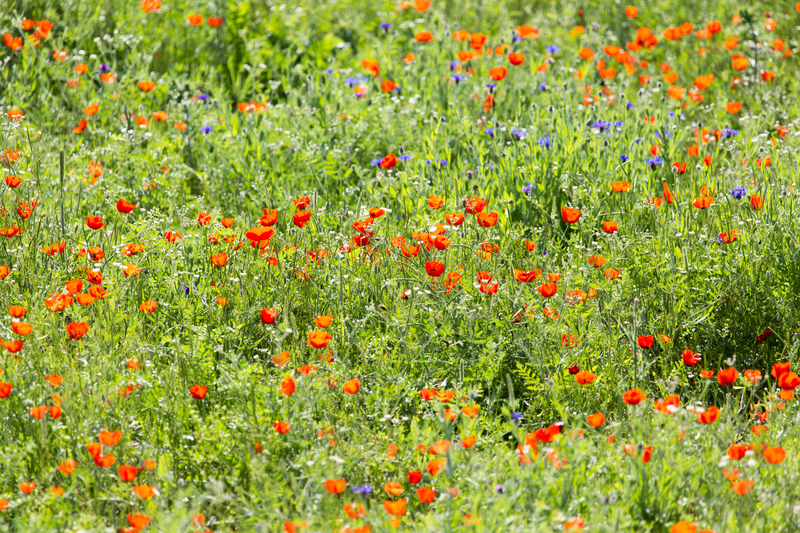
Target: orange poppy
[[570, 215], [319, 339], [634, 396], [335, 486], [596, 420]]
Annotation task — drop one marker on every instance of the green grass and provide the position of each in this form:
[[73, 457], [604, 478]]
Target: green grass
[[397, 330]]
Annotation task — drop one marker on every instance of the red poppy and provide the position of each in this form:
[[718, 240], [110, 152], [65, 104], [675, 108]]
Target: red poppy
[[319, 339], [434, 268], [77, 330], [269, 315], [281, 427], [727, 376], [498, 73], [570, 215], [634, 396], [547, 289], [335, 486], [198, 392], [352, 386]]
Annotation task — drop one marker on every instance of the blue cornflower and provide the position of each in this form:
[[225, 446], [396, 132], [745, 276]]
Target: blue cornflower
[[618, 124], [386, 25], [519, 134], [363, 489], [453, 65], [654, 162], [728, 133], [624, 158], [629, 105], [545, 141], [404, 157], [104, 68], [491, 87], [516, 416], [528, 189], [457, 77], [489, 132], [638, 140], [739, 192], [442, 162], [203, 97], [516, 38], [352, 81], [542, 86], [206, 129], [376, 162], [601, 125], [552, 49]]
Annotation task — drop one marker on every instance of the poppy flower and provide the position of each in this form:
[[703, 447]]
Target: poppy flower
[[425, 494], [198, 392], [704, 201], [335, 486], [27, 487], [727, 376], [477, 40], [498, 73], [423, 37], [788, 381], [709, 416], [435, 466], [214, 22], [148, 306], [395, 508], [733, 107], [633, 396], [269, 315], [352, 386], [108, 438], [282, 427], [146, 86], [742, 487], [388, 86], [414, 477], [219, 260], [138, 521], [77, 330], [318, 339], [689, 358], [393, 488], [780, 368], [127, 473], [570, 215], [774, 455], [5, 389], [95, 223], [596, 420], [515, 58], [145, 491], [301, 218], [610, 227], [547, 289], [645, 341], [287, 386], [584, 377], [434, 268], [124, 206], [486, 220], [371, 65]]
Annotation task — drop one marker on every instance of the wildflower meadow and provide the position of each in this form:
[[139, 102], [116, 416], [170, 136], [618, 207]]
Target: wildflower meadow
[[387, 266]]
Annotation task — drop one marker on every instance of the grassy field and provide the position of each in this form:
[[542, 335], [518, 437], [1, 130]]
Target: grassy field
[[418, 266]]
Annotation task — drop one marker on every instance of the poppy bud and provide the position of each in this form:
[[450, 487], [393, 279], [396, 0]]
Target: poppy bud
[[573, 369]]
